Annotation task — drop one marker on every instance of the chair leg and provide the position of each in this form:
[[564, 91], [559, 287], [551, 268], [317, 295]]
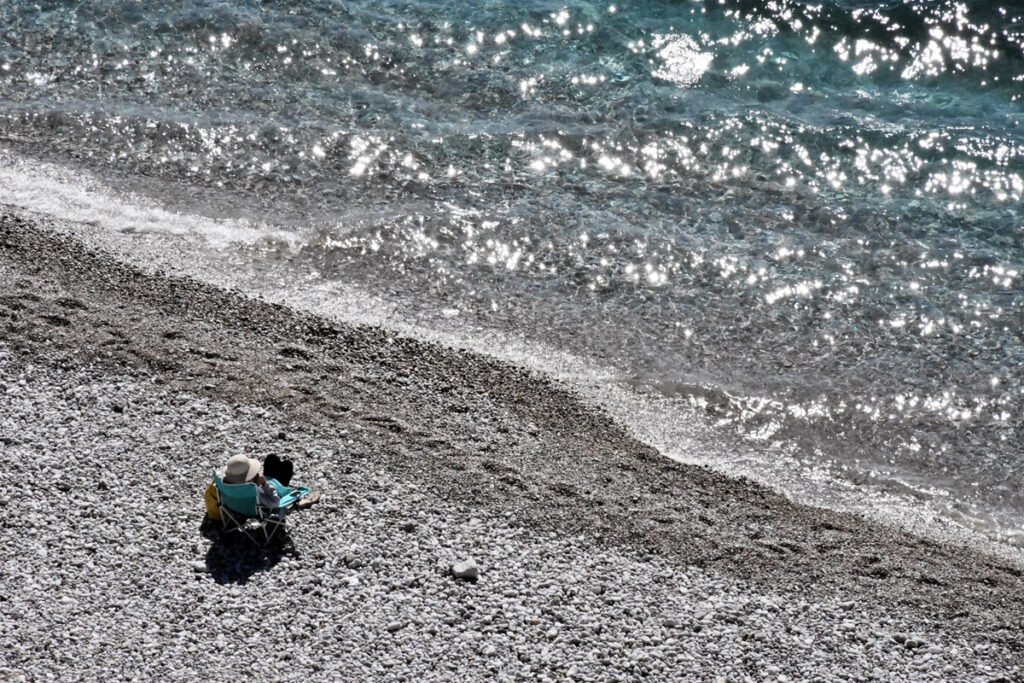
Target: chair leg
[[269, 526], [227, 518], [254, 536], [273, 524], [236, 523]]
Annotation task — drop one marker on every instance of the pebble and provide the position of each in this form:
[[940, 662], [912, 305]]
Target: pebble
[[466, 570]]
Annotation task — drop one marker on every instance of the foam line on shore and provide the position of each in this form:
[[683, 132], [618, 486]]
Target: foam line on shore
[[60, 193]]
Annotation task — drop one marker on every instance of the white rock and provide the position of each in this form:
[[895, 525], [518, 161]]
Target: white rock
[[467, 569]]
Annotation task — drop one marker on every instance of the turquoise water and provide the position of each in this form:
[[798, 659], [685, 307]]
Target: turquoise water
[[803, 220]]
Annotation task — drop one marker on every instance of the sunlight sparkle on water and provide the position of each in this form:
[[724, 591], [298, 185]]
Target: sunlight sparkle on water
[[683, 61]]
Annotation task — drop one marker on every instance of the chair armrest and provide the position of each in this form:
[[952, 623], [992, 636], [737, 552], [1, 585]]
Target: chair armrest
[[288, 494]]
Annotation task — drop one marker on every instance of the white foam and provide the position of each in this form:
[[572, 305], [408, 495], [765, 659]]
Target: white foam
[[63, 194]]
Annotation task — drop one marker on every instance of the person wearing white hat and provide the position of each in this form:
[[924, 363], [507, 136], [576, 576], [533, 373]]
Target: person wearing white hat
[[241, 469]]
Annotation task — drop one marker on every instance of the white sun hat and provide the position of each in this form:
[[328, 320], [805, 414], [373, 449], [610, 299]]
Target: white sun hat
[[240, 469]]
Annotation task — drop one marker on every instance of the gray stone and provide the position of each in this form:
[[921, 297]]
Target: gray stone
[[466, 570]]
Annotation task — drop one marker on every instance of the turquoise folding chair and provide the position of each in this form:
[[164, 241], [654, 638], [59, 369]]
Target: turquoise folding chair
[[240, 508]]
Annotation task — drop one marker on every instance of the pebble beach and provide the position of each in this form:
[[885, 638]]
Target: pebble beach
[[582, 554]]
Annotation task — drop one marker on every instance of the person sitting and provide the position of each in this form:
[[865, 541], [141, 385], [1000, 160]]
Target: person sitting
[[241, 469]]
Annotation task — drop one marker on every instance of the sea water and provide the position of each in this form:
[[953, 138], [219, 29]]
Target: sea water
[[795, 226]]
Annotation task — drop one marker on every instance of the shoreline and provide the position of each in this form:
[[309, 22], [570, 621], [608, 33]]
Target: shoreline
[[479, 440]]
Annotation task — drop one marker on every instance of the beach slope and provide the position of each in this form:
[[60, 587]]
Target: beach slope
[[120, 390]]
